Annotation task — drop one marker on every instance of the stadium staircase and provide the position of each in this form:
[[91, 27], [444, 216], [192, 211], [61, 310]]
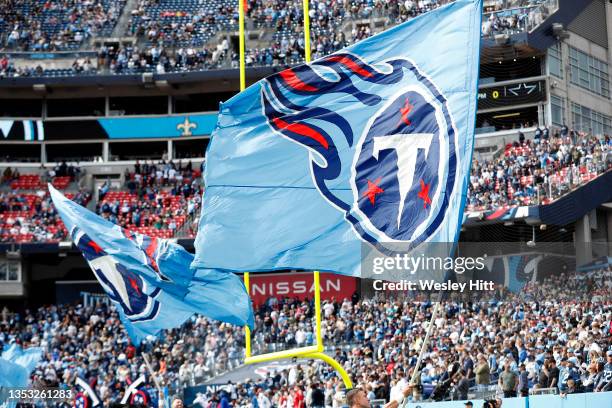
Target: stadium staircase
[[124, 20], [185, 229]]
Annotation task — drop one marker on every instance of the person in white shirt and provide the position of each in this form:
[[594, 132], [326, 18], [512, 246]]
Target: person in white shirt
[[262, 400]]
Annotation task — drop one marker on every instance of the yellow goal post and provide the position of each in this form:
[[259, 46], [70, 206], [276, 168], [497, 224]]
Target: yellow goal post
[[315, 352]]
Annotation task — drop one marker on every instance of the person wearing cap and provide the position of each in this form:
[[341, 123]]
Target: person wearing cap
[[564, 373], [469, 404], [605, 382]]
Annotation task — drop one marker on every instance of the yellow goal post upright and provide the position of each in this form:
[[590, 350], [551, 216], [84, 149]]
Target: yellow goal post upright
[[316, 351]]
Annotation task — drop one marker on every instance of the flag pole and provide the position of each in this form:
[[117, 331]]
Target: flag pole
[[154, 377], [417, 370], [425, 340]]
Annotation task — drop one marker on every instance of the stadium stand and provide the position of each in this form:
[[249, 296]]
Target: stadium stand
[[54, 25], [160, 200], [539, 171], [31, 217], [556, 334], [182, 23], [26, 211], [552, 337], [164, 199], [182, 35]]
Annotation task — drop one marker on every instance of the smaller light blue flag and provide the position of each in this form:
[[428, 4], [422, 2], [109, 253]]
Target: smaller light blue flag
[[150, 280], [27, 358], [13, 375]]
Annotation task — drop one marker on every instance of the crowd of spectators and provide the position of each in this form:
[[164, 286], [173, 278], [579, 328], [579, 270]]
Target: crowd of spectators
[[554, 334], [159, 200], [175, 35], [160, 59], [126, 60], [512, 17], [182, 23], [31, 217], [26, 210], [55, 25], [532, 172]]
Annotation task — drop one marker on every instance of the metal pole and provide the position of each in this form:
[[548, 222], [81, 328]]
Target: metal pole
[[426, 340], [153, 376]]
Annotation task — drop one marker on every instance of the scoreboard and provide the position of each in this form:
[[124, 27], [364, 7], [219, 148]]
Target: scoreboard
[[498, 96]]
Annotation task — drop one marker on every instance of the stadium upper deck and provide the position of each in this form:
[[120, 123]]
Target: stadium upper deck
[[182, 35]]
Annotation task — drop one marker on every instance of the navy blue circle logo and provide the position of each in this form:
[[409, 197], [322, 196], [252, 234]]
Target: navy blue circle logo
[[405, 168]]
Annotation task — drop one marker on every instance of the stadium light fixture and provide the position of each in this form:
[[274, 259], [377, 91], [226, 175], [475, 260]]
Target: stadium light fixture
[[163, 85], [40, 88], [502, 39], [13, 255], [532, 243], [147, 78]]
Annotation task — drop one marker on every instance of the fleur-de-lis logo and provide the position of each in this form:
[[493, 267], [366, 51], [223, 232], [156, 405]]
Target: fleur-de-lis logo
[[186, 126]]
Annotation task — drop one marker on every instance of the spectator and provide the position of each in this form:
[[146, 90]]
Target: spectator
[[508, 382], [483, 373]]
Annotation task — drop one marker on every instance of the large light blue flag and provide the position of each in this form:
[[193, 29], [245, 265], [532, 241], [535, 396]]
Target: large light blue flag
[[368, 147], [150, 280]]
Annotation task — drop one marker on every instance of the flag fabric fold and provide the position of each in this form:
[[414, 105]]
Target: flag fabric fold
[[13, 375], [27, 358], [150, 280], [16, 365], [368, 147]]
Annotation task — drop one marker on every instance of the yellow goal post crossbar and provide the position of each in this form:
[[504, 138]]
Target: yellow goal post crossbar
[[314, 352]]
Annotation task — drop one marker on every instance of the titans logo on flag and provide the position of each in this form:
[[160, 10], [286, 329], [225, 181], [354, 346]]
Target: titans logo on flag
[[140, 398], [126, 289], [404, 168], [81, 401]]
